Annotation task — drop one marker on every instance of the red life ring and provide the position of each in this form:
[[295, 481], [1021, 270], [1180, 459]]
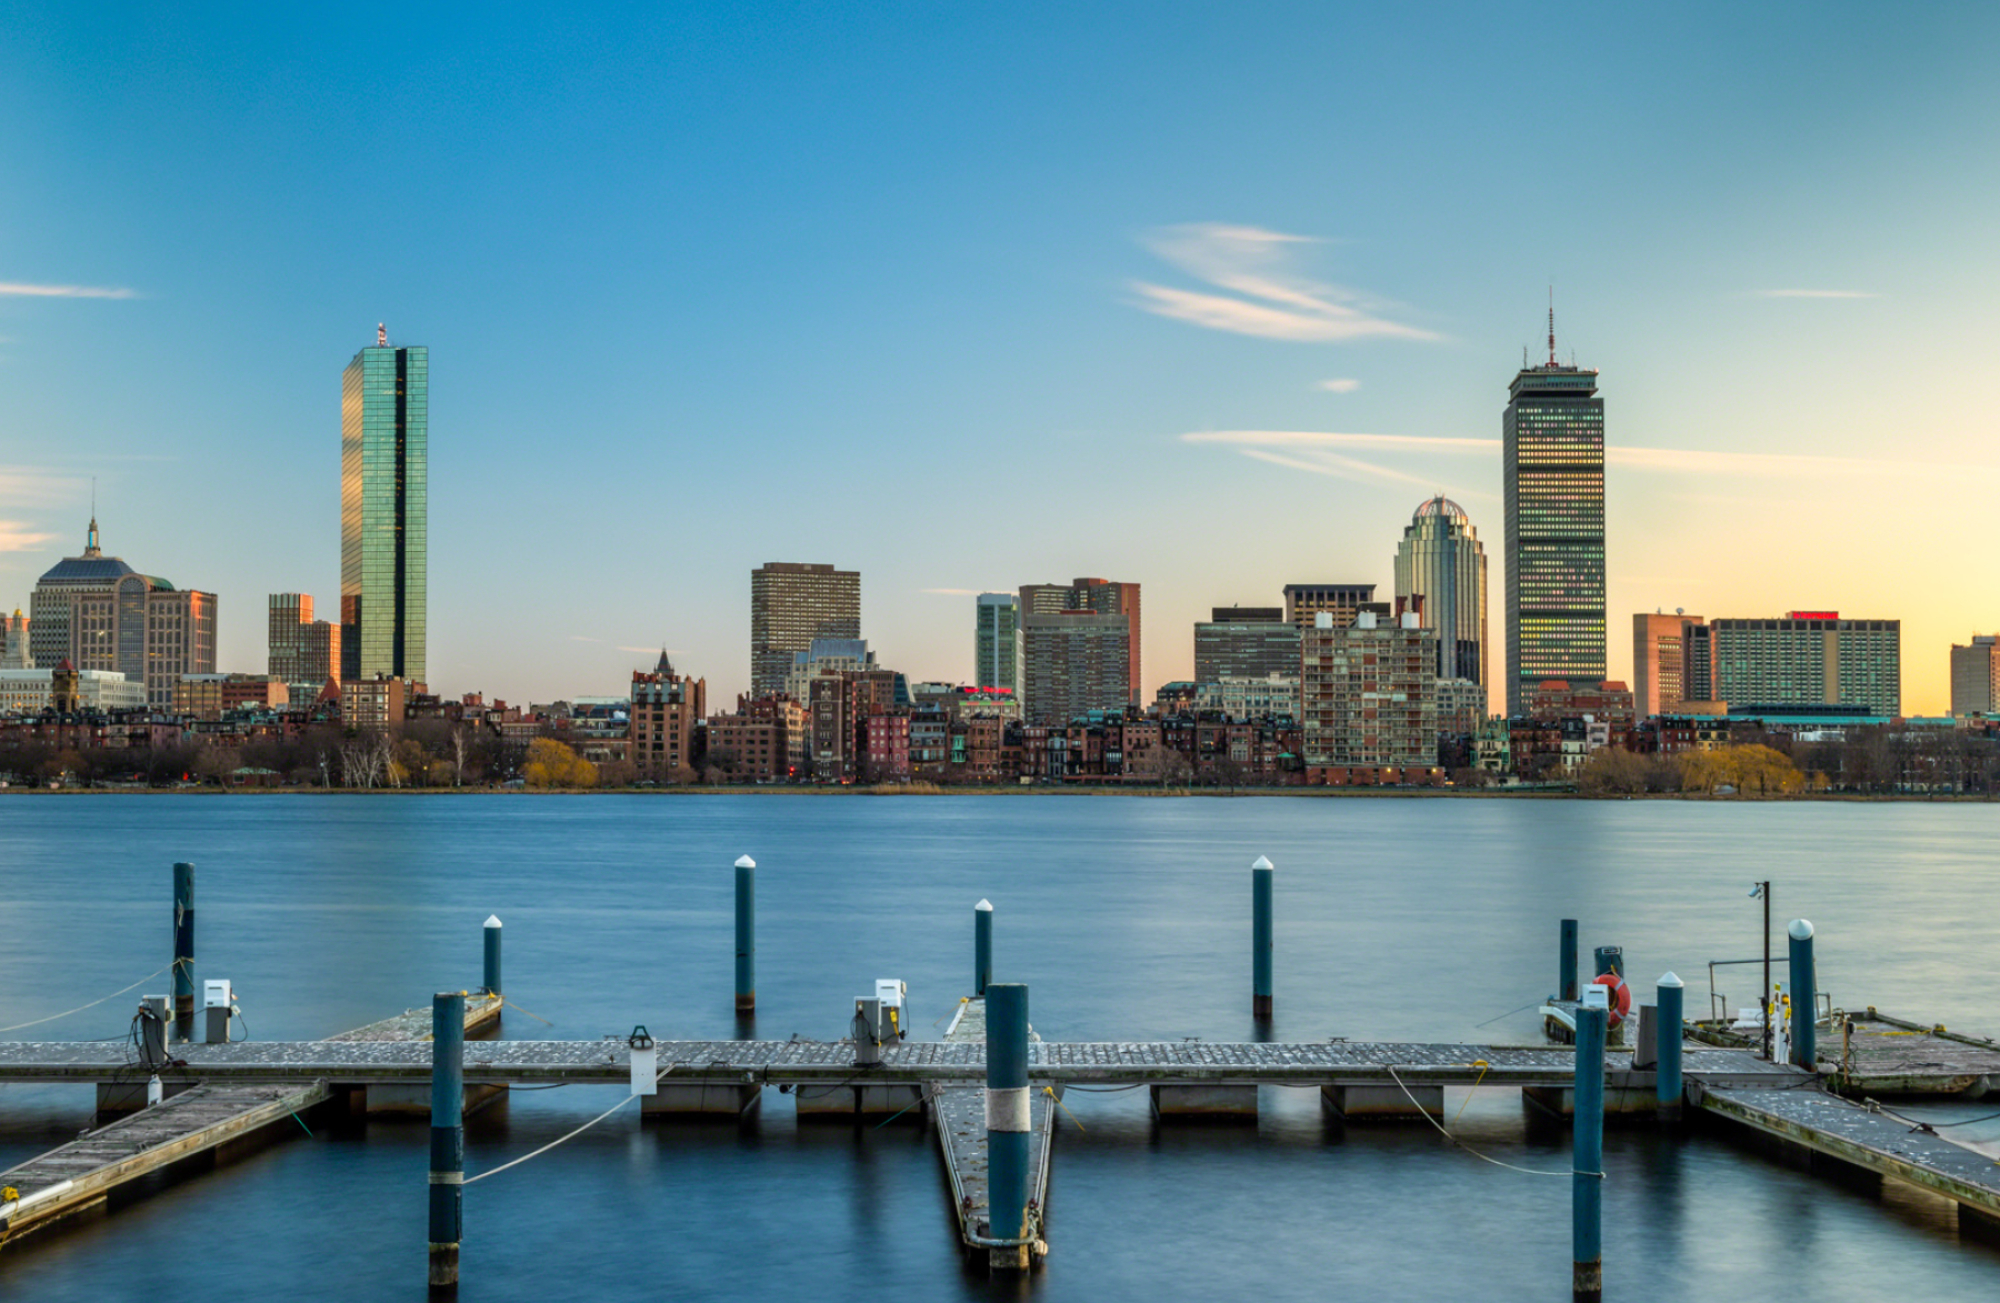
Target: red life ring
[[1619, 996]]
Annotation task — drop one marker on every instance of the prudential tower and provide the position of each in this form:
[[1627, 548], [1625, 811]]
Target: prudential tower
[[1553, 453]]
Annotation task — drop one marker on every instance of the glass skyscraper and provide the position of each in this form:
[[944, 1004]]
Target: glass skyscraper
[[1441, 569], [996, 645], [384, 510], [1553, 435]]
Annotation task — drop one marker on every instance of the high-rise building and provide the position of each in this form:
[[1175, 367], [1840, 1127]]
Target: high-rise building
[[1659, 662], [15, 656], [1098, 597], [1553, 471], [300, 650], [1245, 642], [55, 592], [996, 642], [384, 512], [1074, 662], [1975, 676], [1441, 575], [791, 604], [1304, 603], [148, 630], [665, 710], [1808, 658], [1367, 693]]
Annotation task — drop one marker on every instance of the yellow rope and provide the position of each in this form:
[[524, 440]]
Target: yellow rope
[[1050, 1092], [518, 1009], [1481, 1065]]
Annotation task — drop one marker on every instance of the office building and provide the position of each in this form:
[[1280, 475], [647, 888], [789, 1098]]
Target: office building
[[1367, 693], [57, 590], [300, 650], [146, 629], [1552, 435], [14, 654], [212, 696], [1807, 658], [996, 642], [384, 512], [1245, 642], [1975, 676], [1441, 575], [665, 710], [1305, 603], [1074, 662], [790, 605], [1097, 597], [1659, 662]]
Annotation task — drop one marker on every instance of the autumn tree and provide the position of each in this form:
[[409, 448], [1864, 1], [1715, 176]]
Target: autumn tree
[[552, 764]]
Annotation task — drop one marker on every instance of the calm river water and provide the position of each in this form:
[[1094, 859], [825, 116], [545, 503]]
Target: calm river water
[[1128, 917]]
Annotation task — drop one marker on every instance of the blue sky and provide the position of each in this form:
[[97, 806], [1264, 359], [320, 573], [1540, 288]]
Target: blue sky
[[1204, 297]]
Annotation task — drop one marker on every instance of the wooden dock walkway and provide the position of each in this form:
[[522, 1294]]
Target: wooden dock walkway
[[84, 1171], [197, 1116], [910, 1063], [1887, 1056], [959, 1111], [1863, 1137]]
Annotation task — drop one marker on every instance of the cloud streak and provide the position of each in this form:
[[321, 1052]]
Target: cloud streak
[[1315, 450], [1817, 294], [17, 536], [1342, 386], [14, 289], [1253, 288]]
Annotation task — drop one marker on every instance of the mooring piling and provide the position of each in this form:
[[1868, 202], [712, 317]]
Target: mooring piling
[[492, 975], [1587, 1153], [184, 952], [1008, 1115], [1667, 1073], [1260, 937], [1566, 972], [447, 1186], [1805, 1041], [746, 935], [982, 946]]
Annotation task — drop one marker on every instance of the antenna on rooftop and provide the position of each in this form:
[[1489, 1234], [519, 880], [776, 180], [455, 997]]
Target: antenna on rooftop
[[1552, 325], [382, 332]]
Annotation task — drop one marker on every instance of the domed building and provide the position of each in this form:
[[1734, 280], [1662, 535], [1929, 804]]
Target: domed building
[[101, 614], [1441, 574]]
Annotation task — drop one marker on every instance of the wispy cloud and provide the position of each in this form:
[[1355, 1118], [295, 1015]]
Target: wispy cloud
[[1817, 294], [17, 536], [649, 651], [1315, 450], [577, 637], [1261, 292], [15, 289], [1340, 386]]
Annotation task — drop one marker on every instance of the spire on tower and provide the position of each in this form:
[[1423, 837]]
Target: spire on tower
[[1552, 325]]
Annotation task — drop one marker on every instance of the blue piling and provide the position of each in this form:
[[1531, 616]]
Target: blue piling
[[1007, 1111], [746, 935], [447, 1220], [1566, 988], [183, 952], [1667, 1073], [492, 976], [1805, 1047], [1587, 1159], [982, 946], [1260, 938]]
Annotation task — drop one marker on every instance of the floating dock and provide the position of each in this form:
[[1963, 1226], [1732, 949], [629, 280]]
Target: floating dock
[[1883, 1055], [1865, 1138], [959, 1110]]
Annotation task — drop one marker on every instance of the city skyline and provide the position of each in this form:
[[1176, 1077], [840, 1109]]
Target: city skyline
[[804, 254]]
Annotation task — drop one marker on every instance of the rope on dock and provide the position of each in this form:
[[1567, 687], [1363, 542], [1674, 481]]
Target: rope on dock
[[1528, 1171], [92, 1005], [571, 1136]]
